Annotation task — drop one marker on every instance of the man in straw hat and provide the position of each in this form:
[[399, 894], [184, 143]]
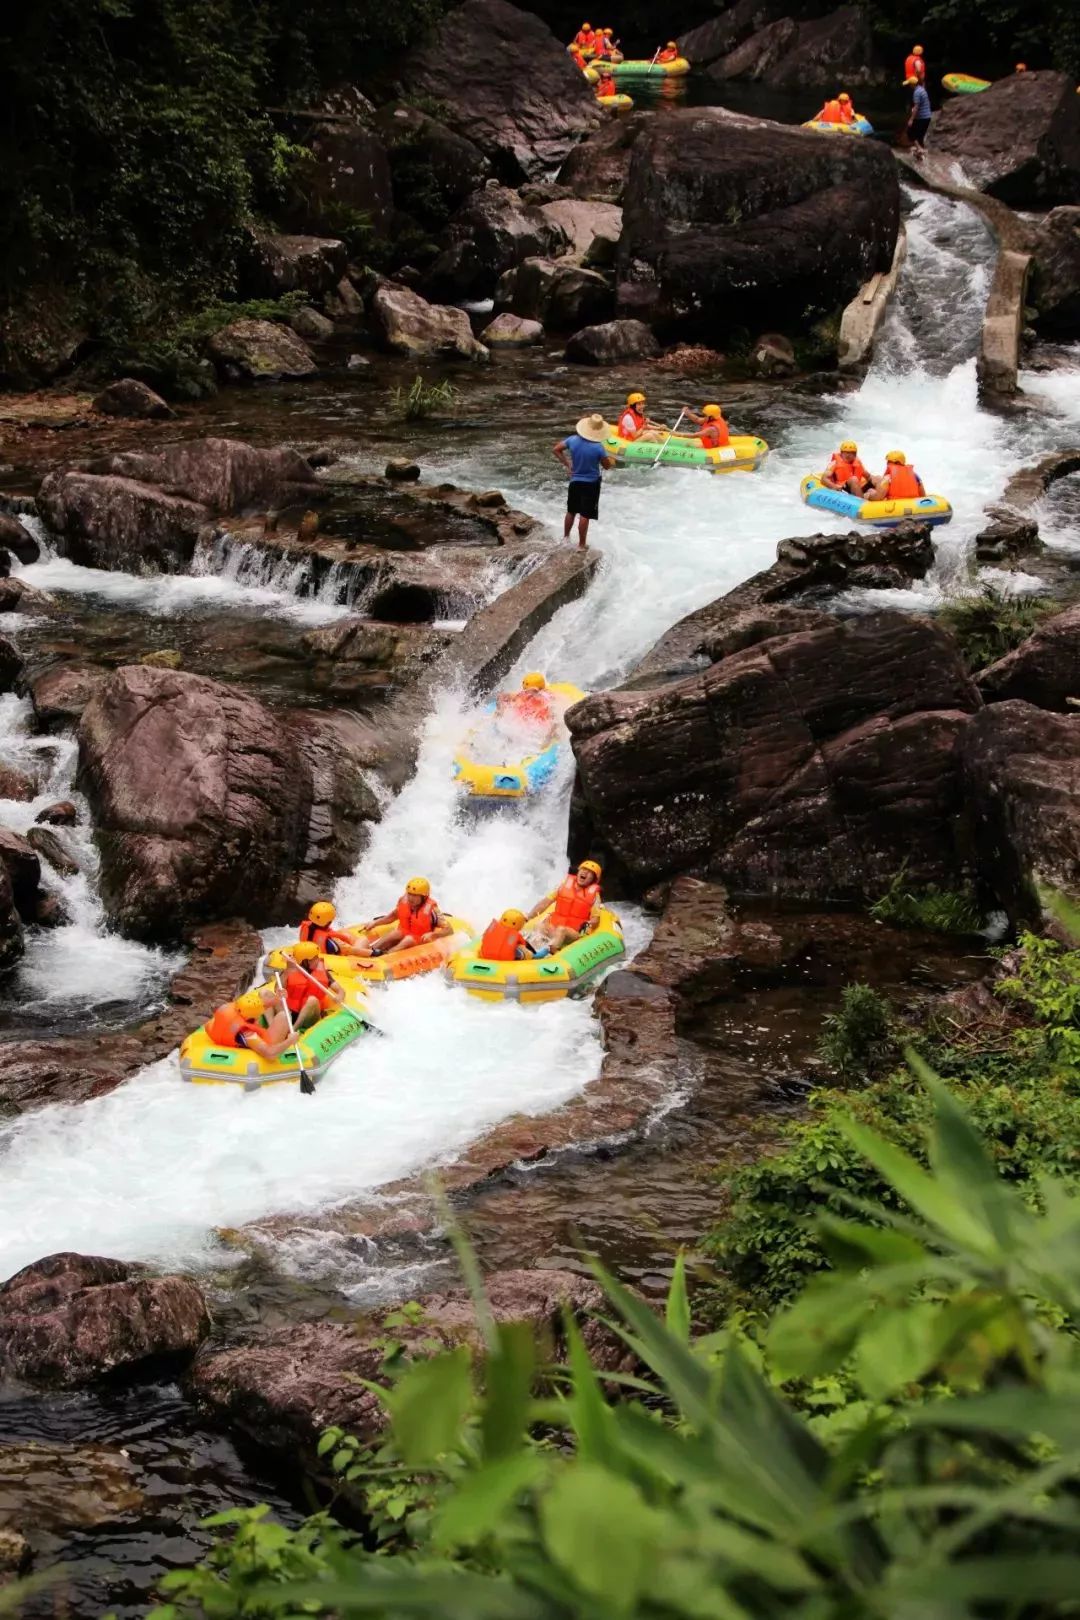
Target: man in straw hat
[[582, 453]]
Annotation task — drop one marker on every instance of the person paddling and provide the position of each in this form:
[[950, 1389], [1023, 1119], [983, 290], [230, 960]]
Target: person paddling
[[670, 53], [714, 433], [583, 456], [310, 992]]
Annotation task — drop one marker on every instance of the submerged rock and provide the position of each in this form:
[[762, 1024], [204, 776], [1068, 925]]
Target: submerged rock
[[129, 397], [71, 1318], [15, 784], [16, 538], [53, 1488], [1019, 140]]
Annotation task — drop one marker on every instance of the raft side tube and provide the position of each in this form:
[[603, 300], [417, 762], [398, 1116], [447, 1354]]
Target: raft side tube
[[931, 509]]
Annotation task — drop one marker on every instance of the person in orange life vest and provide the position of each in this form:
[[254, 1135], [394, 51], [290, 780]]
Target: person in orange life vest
[[831, 113], [576, 908], [415, 919], [848, 115], [316, 930], [503, 940], [607, 87], [845, 470], [714, 433], [577, 58], [255, 1022], [585, 39], [1021, 67], [310, 992], [670, 52], [633, 422], [898, 482], [531, 705], [914, 67]]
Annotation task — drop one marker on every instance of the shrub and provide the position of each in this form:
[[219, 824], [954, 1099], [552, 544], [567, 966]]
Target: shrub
[[421, 399], [940, 911], [858, 1038], [988, 624]]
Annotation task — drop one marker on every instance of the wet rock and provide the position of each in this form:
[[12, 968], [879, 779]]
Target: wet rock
[[15, 1556], [60, 694], [512, 332], [400, 471], [591, 228], [410, 325], [809, 766], [1022, 771], [773, 356], [51, 848], [561, 296], [499, 633], [207, 804], [128, 397], [118, 523], [432, 169], [720, 35], [259, 351], [1019, 140], [732, 221], [15, 784], [17, 539], [1055, 283], [362, 655], [343, 807], [820, 52], [1026, 487], [1044, 670], [279, 264], [611, 343], [493, 231], [284, 1390], [11, 665], [61, 814], [23, 869], [311, 326], [71, 1318], [50, 911], [597, 169], [223, 475], [11, 937], [1007, 537], [357, 362], [53, 1488], [524, 122], [344, 303]]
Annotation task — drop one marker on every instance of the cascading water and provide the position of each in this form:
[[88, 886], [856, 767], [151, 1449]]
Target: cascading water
[[196, 1158]]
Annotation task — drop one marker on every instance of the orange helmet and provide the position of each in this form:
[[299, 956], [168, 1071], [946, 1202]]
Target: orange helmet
[[843, 96], [897, 457]]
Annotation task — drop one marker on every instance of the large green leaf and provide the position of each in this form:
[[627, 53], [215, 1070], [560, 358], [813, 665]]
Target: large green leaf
[[587, 1409], [677, 1309], [428, 1406], [390, 1586], [939, 1206], [1037, 1578], [508, 1377], [853, 1245], [816, 1333], [960, 1160], [603, 1535], [1018, 1413], [905, 1342], [481, 1498]]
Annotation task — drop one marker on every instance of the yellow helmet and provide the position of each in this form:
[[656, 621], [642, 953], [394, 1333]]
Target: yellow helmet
[[635, 399], [534, 681], [850, 446], [609, 30], [512, 918], [897, 456], [916, 50], [250, 1004], [711, 410], [671, 45], [277, 961], [322, 913], [590, 866], [843, 96], [418, 885], [305, 951]]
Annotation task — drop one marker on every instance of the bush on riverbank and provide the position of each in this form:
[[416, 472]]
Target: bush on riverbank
[[987, 624]]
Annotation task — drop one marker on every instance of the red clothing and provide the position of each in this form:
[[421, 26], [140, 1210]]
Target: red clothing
[[668, 56], [714, 435], [631, 423], [904, 482], [914, 67], [298, 987], [228, 1028], [831, 113], [848, 114], [501, 943], [419, 922], [574, 904], [607, 87]]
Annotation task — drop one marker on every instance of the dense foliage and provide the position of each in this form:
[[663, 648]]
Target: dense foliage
[[982, 33], [901, 1441], [136, 142], [987, 623]]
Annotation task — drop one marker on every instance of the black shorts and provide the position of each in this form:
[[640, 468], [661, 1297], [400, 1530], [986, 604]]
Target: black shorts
[[919, 128], [583, 497]]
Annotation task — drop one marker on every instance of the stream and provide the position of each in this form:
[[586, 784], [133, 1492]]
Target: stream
[[154, 1170]]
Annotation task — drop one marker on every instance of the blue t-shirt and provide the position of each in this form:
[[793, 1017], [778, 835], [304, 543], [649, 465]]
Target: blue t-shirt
[[585, 459], [921, 102]]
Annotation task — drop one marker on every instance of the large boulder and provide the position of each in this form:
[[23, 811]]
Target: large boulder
[[512, 332], [206, 804], [11, 937], [1055, 282], [710, 40], [71, 1318], [224, 475], [1044, 669], [278, 264], [591, 228], [503, 80], [60, 693], [16, 538], [1022, 770], [493, 231], [808, 766], [432, 168], [560, 295], [597, 169], [23, 869], [350, 174], [822, 51], [737, 222], [129, 397], [611, 343], [259, 351], [409, 325], [1019, 140]]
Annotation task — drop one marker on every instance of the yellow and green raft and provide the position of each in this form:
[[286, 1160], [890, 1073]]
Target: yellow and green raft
[[964, 84], [744, 453], [634, 68], [544, 978], [206, 1064]]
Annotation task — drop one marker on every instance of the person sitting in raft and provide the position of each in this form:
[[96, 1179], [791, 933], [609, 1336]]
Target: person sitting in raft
[[310, 992], [530, 705], [670, 52], [255, 1022], [316, 930], [845, 471], [714, 433], [898, 482], [837, 111], [606, 88], [914, 67], [608, 46], [585, 39], [503, 940], [633, 422], [415, 919], [576, 909]]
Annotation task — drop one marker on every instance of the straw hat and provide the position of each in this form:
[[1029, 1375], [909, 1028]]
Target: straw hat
[[593, 428]]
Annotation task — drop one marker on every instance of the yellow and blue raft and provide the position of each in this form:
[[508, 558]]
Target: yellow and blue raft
[[933, 509], [511, 779], [540, 978]]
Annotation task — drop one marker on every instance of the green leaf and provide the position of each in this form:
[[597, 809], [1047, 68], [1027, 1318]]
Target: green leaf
[[508, 1378], [816, 1334], [1020, 1414], [601, 1533], [677, 1309], [902, 1343], [327, 1441], [483, 1497], [687, 1382], [939, 1206], [428, 1406], [1038, 1578], [962, 1164], [852, 1245]]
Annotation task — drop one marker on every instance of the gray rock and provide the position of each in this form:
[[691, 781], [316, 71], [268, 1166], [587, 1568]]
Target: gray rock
[[493, 231], [433, 169], [512, 332], [1019, 140], [773, 355], [61, 814], [561, 296], [592, 228], [48, 845], [260, 351], [402, 471], [410, 325], [308, 324], [611, 343], [17, 539], [280, 264], [1055, 285], [129, 397]]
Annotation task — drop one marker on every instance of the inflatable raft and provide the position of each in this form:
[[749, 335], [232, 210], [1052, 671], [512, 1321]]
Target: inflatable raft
[[615, 103], [745, 453], [633, 68], [544, 978], [206, 1064], [931, 509], [357, 971], [515, 779], [964, 84], [860, 126], [587, 51]]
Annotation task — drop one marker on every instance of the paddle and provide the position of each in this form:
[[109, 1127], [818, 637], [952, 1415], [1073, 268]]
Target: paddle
[[307, 1084], [374, 1028], [671, 434]]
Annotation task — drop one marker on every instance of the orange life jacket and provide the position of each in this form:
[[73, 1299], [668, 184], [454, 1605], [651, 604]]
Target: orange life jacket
[[530, 706], [607, 87], [844, 470], [631, 422], [226, 1026], [419, 922], [831, 113], [848, 114], [714, 435], [584, 38], [325, 938], [578, 58], [501, 943], [298, 987], [914, 67], [668, 56], [574, 904], [904, 482]]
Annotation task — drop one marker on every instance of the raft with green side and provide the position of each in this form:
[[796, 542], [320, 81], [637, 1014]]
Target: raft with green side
[[540, 978], [964, 84], [745, 453], [634, 68]]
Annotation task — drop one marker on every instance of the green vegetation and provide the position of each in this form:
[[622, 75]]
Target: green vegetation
[[900, 1441], [987, 624], [858, 1040], [940, 911], [421, 400]]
